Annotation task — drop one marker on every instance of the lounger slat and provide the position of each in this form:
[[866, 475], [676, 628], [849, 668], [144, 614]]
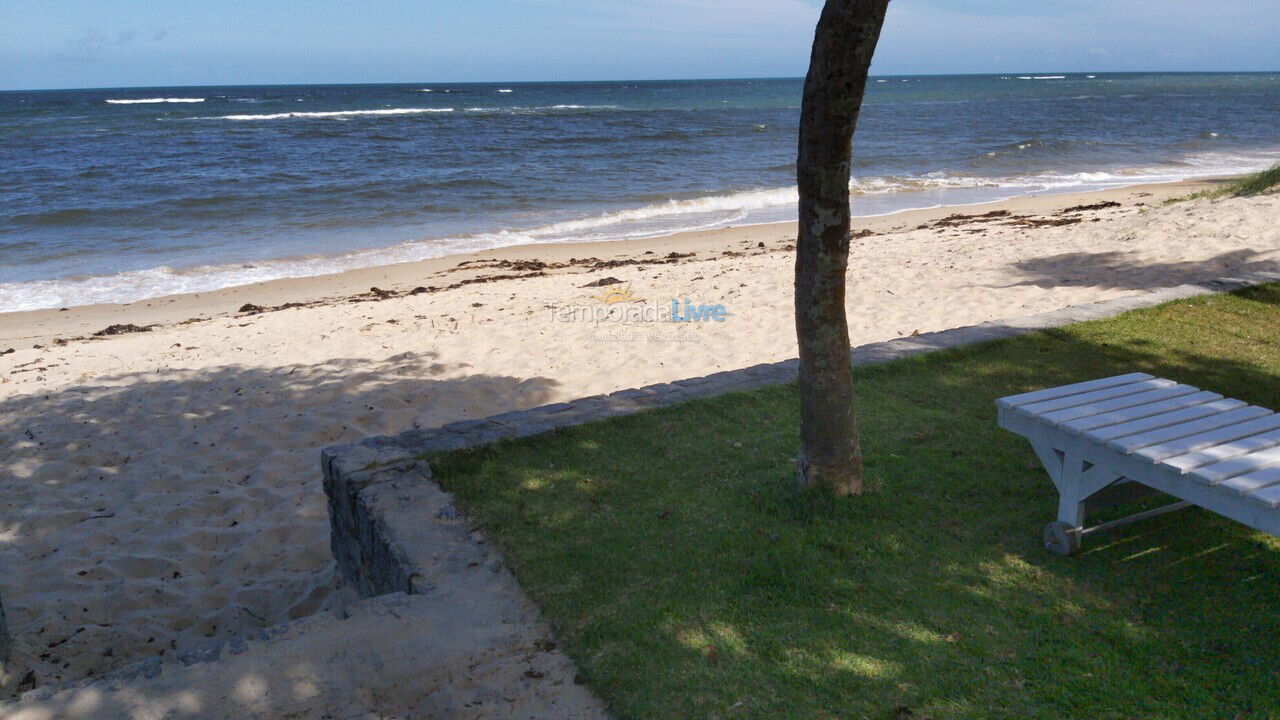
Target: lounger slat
[[1160, 408], [1269, 496], [1057, 417], [1163, 420], [1014, 401], [1226, 451], [1217, 472], [1134, 443], [1226, 434], [1245, 484], [1095, 396]]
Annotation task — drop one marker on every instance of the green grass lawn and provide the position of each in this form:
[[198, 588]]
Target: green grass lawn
[[690, 579]]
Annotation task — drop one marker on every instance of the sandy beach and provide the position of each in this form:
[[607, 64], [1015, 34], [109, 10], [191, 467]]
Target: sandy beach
[[160, 473]]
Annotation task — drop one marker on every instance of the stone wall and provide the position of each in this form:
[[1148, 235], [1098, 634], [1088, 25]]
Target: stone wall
[[10, 675], [6, 644]]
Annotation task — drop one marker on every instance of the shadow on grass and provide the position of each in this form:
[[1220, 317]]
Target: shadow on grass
[[186, 505], [1120, 270], [690, 579]]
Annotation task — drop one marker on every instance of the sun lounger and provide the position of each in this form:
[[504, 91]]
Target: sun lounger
[[1208, 451]]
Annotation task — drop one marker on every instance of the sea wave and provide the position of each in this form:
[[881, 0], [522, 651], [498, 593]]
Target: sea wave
[[871, 196], [535, 109], [145, 101], [622, 222], [332, 114]]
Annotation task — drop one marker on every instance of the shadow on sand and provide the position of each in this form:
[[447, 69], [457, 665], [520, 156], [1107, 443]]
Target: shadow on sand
[[1120, 270], [146, 514]]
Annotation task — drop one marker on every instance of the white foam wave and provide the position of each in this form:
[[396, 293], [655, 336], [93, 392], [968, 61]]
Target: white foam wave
[[1042, 77], [518, 109], [749, 200], [874, 195], [145, 101], [333, 113], [505, 90]]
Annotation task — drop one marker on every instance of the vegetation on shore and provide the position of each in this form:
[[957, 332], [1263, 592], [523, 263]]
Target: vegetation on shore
[[688, 577], [1256, 184]]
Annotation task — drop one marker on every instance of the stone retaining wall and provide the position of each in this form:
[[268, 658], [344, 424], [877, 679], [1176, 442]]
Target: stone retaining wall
[[14, 672], [6, 647]]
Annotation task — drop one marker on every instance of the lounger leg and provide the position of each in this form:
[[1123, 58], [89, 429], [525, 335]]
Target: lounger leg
[[1076, 480]]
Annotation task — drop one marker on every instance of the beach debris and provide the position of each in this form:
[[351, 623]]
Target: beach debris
[[526, 265], [602, 282], [962, 219], [251, 309], [28, 682], [122, 329], [7, 351], [381, 294], [1104, 205], [1044, 222]]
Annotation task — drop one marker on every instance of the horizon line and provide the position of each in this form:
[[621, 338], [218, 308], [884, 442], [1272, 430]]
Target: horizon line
[[640, 80]]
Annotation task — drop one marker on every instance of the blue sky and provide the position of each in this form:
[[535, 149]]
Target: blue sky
[[113, 43]]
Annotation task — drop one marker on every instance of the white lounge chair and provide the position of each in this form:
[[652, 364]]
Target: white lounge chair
[[1209, 451]]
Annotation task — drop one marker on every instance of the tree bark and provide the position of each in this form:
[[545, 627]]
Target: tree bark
[[843, 43]]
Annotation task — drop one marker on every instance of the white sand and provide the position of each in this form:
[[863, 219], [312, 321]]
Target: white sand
[[163, 487]]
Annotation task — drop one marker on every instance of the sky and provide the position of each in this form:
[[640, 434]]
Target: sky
[[139, 43]]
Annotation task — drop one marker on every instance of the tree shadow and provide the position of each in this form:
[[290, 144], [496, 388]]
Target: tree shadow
[[688, 578], [147, 513], [1114, 269]]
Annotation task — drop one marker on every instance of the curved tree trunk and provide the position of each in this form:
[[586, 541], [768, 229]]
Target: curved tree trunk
[[843, 44]]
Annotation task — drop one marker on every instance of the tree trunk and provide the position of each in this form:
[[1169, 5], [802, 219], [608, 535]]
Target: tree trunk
[[843, 44]]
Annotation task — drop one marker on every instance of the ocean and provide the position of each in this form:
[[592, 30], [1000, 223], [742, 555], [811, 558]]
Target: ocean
[[121, 194]]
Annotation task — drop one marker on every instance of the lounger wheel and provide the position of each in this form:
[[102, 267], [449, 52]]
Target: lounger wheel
[[1061, 539]]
